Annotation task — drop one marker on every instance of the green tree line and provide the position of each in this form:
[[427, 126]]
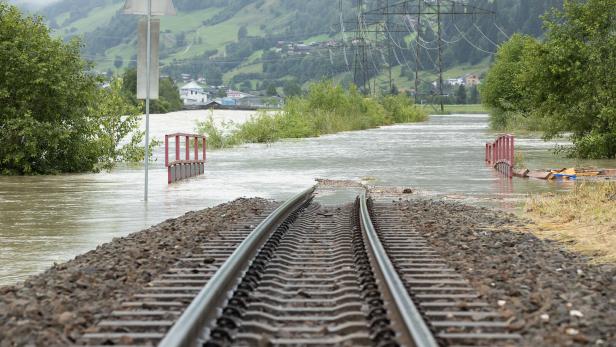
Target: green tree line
[[564, 84], [168, 99], [55, 115], [326, 108]]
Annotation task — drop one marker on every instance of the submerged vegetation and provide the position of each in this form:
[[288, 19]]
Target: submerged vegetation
[[326, 109], [456, 109], [55, 116], [563, 85], [584, 218]]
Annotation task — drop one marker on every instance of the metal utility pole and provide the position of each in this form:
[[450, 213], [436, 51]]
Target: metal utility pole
[[376, 71], [418, 30], [387, 22], [430, 8], [360, 64], [149, 73], [440, 54], [147, 98]]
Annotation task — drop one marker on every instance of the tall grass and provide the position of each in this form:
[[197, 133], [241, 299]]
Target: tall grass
[[218, 137], [326, 109], [583, 219]]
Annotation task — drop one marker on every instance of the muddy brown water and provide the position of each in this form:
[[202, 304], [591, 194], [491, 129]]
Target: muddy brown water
[[47, 219]]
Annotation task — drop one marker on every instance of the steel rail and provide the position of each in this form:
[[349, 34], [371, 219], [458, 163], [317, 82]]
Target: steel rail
[[204, 308], [410, 325]]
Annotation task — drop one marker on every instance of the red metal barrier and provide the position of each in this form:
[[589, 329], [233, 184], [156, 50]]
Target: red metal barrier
[[180, 169], [500, 154]]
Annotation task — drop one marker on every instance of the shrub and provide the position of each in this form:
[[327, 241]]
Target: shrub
[[54, 116], [327, 108]]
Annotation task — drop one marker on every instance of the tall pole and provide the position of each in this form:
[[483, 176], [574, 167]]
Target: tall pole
[[418, 30], [388, 46], [440, 54], [376, 71], [148, 60]]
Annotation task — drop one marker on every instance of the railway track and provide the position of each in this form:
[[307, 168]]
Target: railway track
[[309, 275]]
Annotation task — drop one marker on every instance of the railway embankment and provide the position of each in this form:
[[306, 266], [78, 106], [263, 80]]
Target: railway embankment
[[56, 307], [548, 294], [551, 295]]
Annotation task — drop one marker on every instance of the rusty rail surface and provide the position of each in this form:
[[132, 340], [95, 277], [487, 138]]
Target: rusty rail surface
[[500, 154], [182, 168]]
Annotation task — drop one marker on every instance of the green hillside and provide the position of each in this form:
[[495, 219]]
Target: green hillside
[[236, 41]]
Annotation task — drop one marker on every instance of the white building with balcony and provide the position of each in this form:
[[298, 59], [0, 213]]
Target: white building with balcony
[[192, 94]]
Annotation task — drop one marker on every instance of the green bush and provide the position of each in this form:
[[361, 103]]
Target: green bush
[[54, 116], [327, 108], [217, 137], [402, 109], [168, 99], [563, 85]]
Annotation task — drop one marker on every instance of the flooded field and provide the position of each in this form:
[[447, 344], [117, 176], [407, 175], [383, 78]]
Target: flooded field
[[46, 219]]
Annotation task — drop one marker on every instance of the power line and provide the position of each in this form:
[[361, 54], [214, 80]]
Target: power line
[[472, 44], [484, 35], [427, 9]]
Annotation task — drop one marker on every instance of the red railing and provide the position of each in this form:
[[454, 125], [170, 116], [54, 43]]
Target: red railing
[[500, 154], [182, 168]]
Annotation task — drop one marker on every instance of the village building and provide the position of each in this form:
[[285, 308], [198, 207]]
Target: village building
[[456, 82], [471, 80], [192, 94]]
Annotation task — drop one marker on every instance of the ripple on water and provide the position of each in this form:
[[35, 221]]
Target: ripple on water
[[46, 219]]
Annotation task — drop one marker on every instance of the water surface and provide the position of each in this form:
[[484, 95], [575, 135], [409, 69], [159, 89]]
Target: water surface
[[46, 219]]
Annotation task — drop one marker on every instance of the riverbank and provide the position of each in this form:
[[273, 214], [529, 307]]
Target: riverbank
[[456, 109], [55, 307], [583, 219]]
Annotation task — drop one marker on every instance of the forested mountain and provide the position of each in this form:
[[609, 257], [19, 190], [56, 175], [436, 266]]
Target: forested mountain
[[240, 41]]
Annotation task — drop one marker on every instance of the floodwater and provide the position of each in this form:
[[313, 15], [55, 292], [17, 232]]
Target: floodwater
[[49, 219]]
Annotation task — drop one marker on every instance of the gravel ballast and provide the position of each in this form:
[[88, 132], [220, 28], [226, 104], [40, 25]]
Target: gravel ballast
[[551, 296], [55, 307]]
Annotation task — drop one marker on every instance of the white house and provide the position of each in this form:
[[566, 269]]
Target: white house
[[192, 94], [455, 81], [471, 80]]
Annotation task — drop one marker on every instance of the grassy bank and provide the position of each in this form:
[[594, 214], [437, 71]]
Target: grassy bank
[[456, 109], [326, 109], [583, 219]]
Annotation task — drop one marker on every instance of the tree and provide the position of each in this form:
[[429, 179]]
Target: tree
[[291, 88], [246, 86], [118, 62], [474, 98], [566, 83], [501, 92], [54, 117], [222, 93], [571, 79], [461, 95], [168, 99], [271, 90], [394, 89], [180, 39], [242, 33], [118, 119]]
